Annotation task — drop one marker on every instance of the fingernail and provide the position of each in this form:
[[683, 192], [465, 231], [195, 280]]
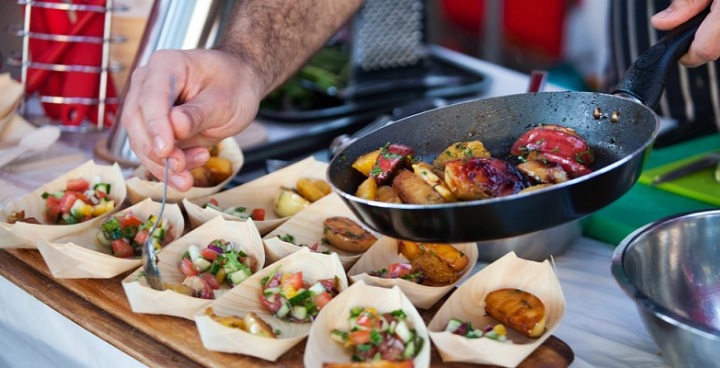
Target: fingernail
[[202, 156], [174, 164], [178, 181], [159, 144], [663, 13]]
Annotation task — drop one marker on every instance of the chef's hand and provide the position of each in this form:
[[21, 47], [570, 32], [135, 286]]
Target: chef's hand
[[705, 47], [216, 96]]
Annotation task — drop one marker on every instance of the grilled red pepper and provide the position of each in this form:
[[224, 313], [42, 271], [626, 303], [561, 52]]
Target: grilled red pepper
[[573, 168], [556, 140], [392, 158]]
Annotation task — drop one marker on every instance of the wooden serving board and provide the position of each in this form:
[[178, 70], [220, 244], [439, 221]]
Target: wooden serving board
[[100, 306]]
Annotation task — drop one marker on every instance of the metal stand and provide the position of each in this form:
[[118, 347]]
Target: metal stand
[[24, 62]]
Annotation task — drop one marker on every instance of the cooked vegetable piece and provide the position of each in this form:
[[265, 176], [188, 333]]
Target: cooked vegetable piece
[[312, 189], [386, 193], [366, 162], [220, 169], [555, 139], [251, 323], [413, 189], [543, 171], [345, 234], [572, 167], [392, 158], [478, 178], [455, 258], [461, 150], [425, 171], [518, 309], [367, 189], [435, 269], [288, 202]]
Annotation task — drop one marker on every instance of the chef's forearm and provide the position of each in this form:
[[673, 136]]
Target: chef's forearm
[[276, 37]]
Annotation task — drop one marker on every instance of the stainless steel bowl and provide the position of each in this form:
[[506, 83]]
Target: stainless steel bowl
[[671, 269], [535, 246]]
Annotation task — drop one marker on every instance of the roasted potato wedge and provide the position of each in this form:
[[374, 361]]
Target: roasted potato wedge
[[250, 323], [312, 189], [367, 189], [517, 309], [461, 150], [344, 234], [288, 202], [413, 189], [437, 271], [386, 193], [365, 163], [220, 169], [372, 364], [425, 171], [456, 259]]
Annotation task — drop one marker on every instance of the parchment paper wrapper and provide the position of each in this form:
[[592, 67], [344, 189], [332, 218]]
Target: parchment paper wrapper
[[10, 93], [321, 348], [467, 303], [144, 299], [80, 254], [140, 188], [24, 235], [245, 298], [307, 228], [259, 193], [385, 252]]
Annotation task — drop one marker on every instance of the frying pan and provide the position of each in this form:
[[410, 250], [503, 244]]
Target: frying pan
[[621, 147]]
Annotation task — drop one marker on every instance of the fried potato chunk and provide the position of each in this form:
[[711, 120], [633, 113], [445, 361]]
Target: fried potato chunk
[[518, 309], [425, 171], [386, 193], [456, 259], [543, 171], [461, 150], [344, 234], [437, 271], [413, 189]]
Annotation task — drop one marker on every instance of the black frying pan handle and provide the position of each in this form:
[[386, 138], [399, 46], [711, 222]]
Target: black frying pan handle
[[645, 78]]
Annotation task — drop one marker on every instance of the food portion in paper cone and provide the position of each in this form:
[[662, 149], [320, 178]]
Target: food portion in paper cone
[[72, 202], [113, 246], [225, 162], [326, 226], [425, 272], [281, 295], [198, 268], [344, 331], [524, 296], [278, 195], [11, 92]]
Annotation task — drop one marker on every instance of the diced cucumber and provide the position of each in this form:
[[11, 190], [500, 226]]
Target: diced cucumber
[[410, 350], [453, 325], [210, 205], [238, 277], [283, 311], [103, 240], [194, 252], [299, 312], [403, 332], [272, 291], [339, 336], [102, 187], [317, 288], [202, 264]]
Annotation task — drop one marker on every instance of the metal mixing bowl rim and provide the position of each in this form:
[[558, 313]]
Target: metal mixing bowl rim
[[640, 298]]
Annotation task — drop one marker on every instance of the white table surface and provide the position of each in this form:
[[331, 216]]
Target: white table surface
[[601, 324]]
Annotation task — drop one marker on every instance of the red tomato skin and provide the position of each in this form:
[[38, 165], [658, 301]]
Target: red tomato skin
[[554, 141], [359, 337], [210, 280], [67, 201], [214, 202], [397, 270], [141, 236], [128, 220], [52, 209], [322, 299], [78, 185], [258, 214], [122, 248], [209, 254], [188, 268], [294, 280]]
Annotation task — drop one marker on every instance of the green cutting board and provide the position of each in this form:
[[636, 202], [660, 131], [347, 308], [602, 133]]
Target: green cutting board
[[643, 204], [700, 185]]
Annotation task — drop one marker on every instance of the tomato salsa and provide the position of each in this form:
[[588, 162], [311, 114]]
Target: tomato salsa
[[80, 201]]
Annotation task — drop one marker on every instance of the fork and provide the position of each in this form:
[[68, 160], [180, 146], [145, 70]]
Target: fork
[[149, 257]]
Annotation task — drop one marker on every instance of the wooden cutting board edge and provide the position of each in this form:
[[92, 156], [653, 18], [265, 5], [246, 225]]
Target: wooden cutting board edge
[[100, 306]]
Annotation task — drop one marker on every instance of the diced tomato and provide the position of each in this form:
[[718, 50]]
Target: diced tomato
[[322, 299], [52, 209], [78, 185], [129, 220], [210, 280], [67, 201], [365, 320], [141, 236], [207, 291], [188, 268], [79, 195], [122, 248], [209, 254], [100, 195], [292, 279], [214, 202], [397, 270], [258, 214], [359, 337]]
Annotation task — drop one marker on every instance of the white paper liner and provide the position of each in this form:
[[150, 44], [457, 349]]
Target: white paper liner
[[307, 228], [467, 303], [144, 299], [385, 252], [140, 188], [259, 193], [25, 235], [80, 254], [245, 298], [321, 348]]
